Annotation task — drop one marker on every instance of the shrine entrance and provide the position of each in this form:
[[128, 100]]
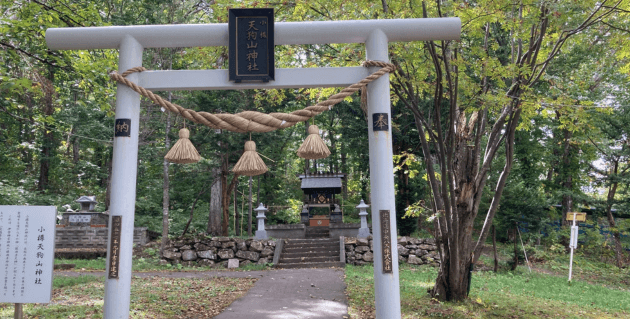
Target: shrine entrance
[[132, 40]]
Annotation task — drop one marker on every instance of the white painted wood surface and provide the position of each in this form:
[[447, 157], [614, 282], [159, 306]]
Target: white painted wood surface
[[198, 35]]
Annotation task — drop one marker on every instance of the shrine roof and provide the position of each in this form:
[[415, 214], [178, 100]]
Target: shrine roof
[[86, 199], [321, 182]]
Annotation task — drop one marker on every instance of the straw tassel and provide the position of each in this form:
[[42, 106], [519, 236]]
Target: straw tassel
[[313, 146], [250, 163], [183, 152]]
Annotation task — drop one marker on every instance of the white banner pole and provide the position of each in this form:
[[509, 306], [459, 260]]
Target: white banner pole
[[572, 247]]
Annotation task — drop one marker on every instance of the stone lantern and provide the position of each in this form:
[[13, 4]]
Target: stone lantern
[[364, 231], [261, 233], [304, 215], [335, 215]]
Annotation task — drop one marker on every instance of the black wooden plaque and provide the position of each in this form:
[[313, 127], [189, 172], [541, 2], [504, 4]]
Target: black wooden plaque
[[114, 252], [386, 242], [380, 122], [122, 128], [251, 45]]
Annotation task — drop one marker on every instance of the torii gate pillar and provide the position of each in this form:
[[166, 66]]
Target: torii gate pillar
[[123, 188], [386, 285]]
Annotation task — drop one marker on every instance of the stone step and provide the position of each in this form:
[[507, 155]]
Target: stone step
[[310, 250], [303, 259], [315, 236], [317, 231], [310, 254], [321, 235], [312, 241], [313, 245], [311, 265]]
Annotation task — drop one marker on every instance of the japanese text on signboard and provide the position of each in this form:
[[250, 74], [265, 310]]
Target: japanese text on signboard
[[251, 45], [26, 253], [386, 241]]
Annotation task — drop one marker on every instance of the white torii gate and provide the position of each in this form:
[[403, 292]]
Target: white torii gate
[[132, 40]]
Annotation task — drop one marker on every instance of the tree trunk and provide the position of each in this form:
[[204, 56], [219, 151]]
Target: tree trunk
[[237, 230], [225, 202], [612, 190], [249, 215], [494, 248], [257, 191], [192, 210], [344, 169], [44, 163], [108, 190], [616, 238], [226, 194], [452, 281], [166, 200], [76, 145], [214, 218], [567, 176], [48, 143], [515, 250]]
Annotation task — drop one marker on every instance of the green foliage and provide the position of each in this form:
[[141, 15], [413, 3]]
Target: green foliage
[[557, 249], [67, 281], [520, 206], [57, 145]]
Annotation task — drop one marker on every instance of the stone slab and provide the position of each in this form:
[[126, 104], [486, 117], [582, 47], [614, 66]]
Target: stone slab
[[232, 263]]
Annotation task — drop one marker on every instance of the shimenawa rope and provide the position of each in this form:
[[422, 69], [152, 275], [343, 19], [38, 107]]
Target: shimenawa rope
[[252, 121]]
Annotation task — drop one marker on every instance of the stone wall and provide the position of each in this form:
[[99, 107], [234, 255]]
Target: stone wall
[[218, 250], [344, 229], [293, 231], [91, 237], [417, 251]]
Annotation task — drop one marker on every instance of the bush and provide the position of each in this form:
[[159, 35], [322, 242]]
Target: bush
[[557, 249], [538, 255]]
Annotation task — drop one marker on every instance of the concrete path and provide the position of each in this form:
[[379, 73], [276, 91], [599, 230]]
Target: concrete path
[[278, 294], [293, 294]]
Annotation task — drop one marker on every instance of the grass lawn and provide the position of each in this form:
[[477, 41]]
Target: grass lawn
[[147, 264], [587, 269], [503, 295], [82, 297]]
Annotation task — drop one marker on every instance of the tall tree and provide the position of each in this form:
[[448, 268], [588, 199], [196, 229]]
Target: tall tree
[[464, 124], [614, 150]]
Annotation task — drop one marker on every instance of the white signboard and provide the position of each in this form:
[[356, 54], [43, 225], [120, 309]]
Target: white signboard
[[79, 218], [574, 237], [27, 244]]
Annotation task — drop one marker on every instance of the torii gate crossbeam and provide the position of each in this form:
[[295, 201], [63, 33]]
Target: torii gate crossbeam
[[132, 40]]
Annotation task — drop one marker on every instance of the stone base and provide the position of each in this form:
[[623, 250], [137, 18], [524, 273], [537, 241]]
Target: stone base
[[261, 234], [364, 233], [293, 231], [232, 263]]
